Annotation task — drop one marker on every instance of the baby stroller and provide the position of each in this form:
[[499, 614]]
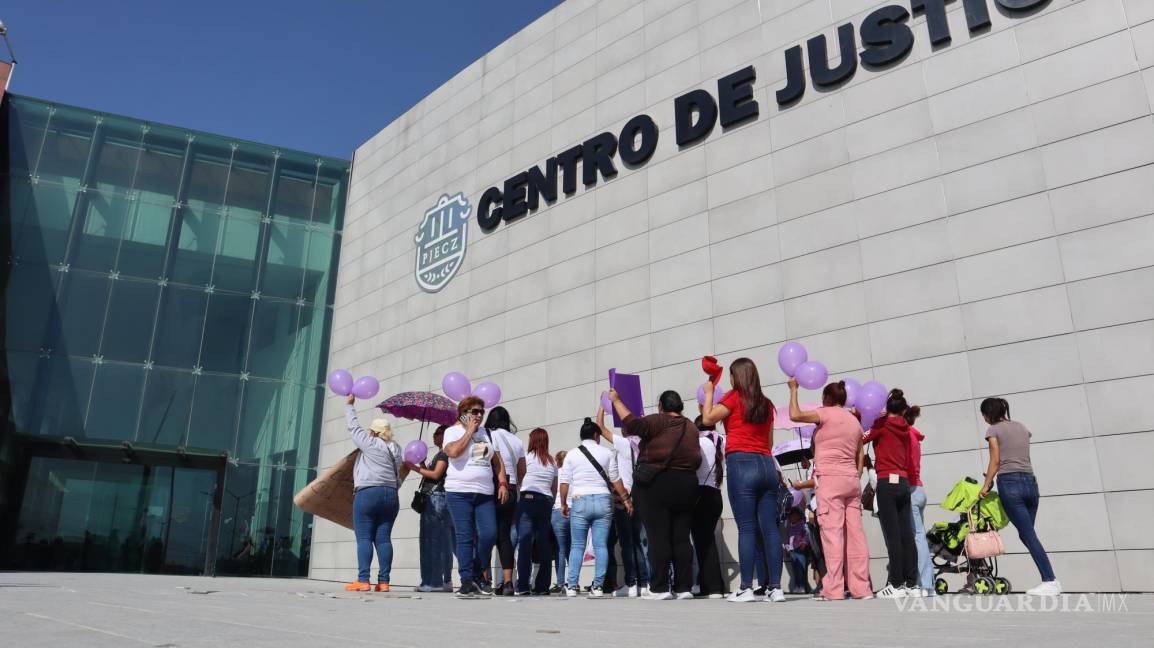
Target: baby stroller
[[947, 540]]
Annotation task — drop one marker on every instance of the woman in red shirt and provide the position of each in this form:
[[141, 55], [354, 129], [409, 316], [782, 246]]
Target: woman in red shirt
[[753, 480], [891, 438]]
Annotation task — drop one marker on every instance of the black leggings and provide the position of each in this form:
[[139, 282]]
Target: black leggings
[[667, 512], [506, 518], [898, 531], [705, 517]]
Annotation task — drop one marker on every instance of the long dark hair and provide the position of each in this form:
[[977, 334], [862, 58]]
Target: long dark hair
[[747, 384], [499, 420], [896, 404], [996, 409], [834, 394], [539, 446]]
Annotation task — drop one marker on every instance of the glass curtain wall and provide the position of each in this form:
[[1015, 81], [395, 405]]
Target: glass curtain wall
[[172, 288]]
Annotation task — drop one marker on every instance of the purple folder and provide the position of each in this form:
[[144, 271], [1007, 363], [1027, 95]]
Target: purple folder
[[628, 387]]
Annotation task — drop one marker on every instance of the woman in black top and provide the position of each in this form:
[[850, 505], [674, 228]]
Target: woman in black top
[[436, 525]]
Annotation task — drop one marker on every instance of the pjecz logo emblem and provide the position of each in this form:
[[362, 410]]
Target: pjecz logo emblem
[[441, 242]]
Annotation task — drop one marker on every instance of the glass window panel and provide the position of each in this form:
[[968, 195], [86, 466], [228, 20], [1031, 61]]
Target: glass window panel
[[62, 405], [287, 251], [43, 238], [23, 373], [188, 524], [179, 327], [199, 230], [145, 240], [270, 415], [310, 345], [26, 122], [318, 277], [214, 412], [330, 197], [131, 314], [296, 179], [54, 514], [158, 175], [104, 224], [248, 182], [241, 536], [286, 519], [21, 202], [167, 405], [66, 145], [31, 307], [273, 340], [208, 178], [236, 262], [225, 332], [115, 402], [82, 309], [117, 156]]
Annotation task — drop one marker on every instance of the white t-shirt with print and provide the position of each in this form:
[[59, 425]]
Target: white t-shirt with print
[[471, 471]]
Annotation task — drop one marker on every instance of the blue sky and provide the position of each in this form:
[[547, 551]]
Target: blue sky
[[321, 76]]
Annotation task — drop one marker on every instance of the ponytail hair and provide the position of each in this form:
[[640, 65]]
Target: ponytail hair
[[912, 414], [896, 404], [834, 394], [996, 409], [589, 429]]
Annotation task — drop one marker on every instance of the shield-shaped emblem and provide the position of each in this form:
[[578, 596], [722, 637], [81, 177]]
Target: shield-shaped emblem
[[441, 242]]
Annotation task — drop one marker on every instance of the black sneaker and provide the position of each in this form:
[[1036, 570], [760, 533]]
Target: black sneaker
[[543, 593], [556, 589], [484, 588], [467, 590], [760, 591], [506, 589]]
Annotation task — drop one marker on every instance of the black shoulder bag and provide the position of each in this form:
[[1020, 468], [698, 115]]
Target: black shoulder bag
[[645, 473], [597, 467]]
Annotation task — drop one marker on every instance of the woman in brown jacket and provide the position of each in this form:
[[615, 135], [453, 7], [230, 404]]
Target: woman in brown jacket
[[665, 489]]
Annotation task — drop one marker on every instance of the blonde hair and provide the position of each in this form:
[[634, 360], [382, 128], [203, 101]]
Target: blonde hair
[[386, 434]]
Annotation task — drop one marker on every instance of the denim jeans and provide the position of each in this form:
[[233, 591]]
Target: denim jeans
[[752, 484], [1019, 494], [798, 566], [925, 566], [436, 542], [533, 524], [474, 516], [561, 535], [589, 512], [374, 511]]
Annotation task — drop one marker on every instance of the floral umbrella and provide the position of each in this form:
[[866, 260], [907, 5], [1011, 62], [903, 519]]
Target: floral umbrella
[[426, 407]]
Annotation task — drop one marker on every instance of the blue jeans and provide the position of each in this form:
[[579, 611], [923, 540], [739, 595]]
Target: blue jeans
[[475, 527], [633, 557], [436, 542], [561, 533], [925, 566], [1019, 494], [798, 578], [374, 511], [589, 512], [533, 525], [752, 484]]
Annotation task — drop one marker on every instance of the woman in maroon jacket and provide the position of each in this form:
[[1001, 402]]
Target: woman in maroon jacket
[[891, 438]]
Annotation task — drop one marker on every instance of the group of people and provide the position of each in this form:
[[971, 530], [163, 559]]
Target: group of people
[[654, 491]]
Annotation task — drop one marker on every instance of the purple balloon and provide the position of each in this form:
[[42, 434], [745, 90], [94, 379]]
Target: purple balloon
[[797, 496], [415, 451], [791, 356], [718, 392], [366, 387], [872, 398], [805, 432], [455, 385], [488, 392], [605, 402], [341, 382], [811, 374], [867, 420], [852, 391]]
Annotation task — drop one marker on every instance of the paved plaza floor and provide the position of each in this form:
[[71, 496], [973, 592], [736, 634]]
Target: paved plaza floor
[[124, 610]]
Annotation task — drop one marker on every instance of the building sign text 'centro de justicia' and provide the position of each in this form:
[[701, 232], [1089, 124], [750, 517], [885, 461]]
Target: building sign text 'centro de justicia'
[[886, 39]]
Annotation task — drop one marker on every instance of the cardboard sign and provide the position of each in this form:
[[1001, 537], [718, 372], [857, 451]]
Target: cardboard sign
[[628, 387]]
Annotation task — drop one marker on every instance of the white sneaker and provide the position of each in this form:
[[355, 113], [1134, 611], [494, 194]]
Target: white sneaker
[[891, 592], [570, 592], [684, 596], [625, 591], [914, 592], [660, 596], [742, 596], [596, 592], [644, 591], [715, 596], [1047, 588], [775, 595]]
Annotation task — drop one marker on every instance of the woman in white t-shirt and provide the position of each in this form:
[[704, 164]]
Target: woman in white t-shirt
[[503, 433], [538, 487], [708, 510], [474, 465]]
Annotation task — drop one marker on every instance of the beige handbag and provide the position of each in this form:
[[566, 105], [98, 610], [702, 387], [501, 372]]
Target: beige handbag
[[330, 495], [982, 544]]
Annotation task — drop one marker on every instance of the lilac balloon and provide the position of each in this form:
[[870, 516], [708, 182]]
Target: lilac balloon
[[366, 387], [811, 374], [718, 392], [455, 385], [876, 386], [867, 420], [415, 451], [341, 382], [488, 392], [872, 399], [806, 432], [606, 404], [852, 391], [791, 356]]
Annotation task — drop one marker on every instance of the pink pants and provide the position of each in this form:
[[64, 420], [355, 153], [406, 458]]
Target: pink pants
[[842, 537]]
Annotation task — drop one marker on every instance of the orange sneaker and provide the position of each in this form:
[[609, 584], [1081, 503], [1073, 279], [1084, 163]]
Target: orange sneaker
[[358, 586], [382, 587]]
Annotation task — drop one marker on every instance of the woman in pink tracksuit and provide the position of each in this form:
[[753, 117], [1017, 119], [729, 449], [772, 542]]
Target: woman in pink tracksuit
[[837, 450]]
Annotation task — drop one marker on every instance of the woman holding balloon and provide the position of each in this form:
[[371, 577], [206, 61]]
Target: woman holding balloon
[[753, 480], [436, 534]]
